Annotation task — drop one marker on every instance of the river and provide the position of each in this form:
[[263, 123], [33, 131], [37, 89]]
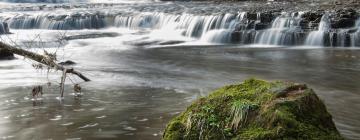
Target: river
[[145, 73]]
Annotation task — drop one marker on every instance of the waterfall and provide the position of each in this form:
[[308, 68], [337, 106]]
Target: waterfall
[[143, 20], [217, 36], [58, 22], [223, 32], [211, 28], [190, 25], [4, 28], [355, 37], [316, 38], [242, 28], [283, 31]]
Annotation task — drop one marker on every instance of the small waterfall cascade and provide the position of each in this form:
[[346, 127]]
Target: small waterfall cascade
[[316, 38], [355, 36], [283, 31], [4, 29], [223, 32], [58, 22], [142, 20], [212, 28], [189, 25]]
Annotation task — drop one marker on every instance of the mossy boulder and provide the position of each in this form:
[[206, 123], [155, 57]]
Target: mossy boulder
[[256, 110]]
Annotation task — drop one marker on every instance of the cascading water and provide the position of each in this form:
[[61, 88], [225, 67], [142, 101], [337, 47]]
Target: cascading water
[[316, 38], [58, 22], [283, 31], [143, 20], [4, 29], [242, 27], [355, 37], [190, 25], [222, 32], [213, 28]]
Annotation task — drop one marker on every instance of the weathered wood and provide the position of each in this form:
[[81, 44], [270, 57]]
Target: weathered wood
[[41, 59], [62, 84]]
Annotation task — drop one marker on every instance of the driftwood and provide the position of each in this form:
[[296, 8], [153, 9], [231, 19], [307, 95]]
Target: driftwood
[[62, 84], [44, 59]]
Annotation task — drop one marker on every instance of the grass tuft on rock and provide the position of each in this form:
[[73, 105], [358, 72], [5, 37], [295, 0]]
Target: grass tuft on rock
[[256, 110]]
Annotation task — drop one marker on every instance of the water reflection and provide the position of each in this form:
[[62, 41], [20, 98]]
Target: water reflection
[[134, 92]]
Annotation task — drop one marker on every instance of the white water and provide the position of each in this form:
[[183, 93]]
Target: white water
[[282, 31], [316, 38], [355, 37], [3, 28], [216, 28]]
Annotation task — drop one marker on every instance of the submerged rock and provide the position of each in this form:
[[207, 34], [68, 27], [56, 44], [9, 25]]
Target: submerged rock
[[67, 63], [91, 35], [255, 109], [6, 55]]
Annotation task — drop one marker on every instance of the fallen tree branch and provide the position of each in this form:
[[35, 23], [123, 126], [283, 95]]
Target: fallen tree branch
[[41, 59]]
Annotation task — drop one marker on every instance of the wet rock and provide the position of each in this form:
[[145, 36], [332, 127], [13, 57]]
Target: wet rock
[[343, 23], [243, 37], [268, 17], [67, 63], [6, 55], [261, 26], [344, 18], [91, 35], [252, 16], [171, 42], [312, 16], [255, 109]]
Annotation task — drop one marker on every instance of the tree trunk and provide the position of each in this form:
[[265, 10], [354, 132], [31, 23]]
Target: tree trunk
[[41, 59]]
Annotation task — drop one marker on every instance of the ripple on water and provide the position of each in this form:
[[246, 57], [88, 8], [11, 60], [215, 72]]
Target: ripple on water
[[73, 139], [98, 109], [129, 134], [79, 110], [143, 120], [129, 128], [88, 125], [67, 124], [7, 137], [101, 117], [57, 117]]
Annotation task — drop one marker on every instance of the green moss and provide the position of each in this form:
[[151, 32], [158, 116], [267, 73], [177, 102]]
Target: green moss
[[255, 109], [255, 133], [175, 130], [239, 112]]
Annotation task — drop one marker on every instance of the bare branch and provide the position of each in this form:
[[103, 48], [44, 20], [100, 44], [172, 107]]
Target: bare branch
[[46, 60]]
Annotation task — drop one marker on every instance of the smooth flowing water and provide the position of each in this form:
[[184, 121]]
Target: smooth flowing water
[[146, 68]]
